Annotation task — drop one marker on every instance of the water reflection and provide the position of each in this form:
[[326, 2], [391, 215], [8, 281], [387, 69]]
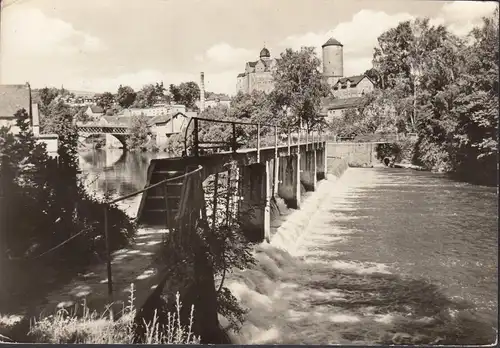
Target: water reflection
[[116, 172]]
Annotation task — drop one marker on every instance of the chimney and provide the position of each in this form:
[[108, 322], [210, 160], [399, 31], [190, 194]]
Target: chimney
[[202, 91]]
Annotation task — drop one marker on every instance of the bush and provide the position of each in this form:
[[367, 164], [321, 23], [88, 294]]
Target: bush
[[65, 224], [91, 328]]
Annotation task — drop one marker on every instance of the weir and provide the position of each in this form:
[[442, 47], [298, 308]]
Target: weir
[[266, 173]]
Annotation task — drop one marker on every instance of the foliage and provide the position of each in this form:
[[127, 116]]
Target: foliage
[[445, 89], [125, 96], [255, 107], [59, 206], [229, 248], [187, 93], [139, 133], [299, 87], [90, 328], [149, 95], [105, 100]]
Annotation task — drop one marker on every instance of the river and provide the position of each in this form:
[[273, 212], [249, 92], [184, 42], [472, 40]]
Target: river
[[391, 256]]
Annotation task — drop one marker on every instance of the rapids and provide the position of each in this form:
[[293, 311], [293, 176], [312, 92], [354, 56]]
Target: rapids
[[379, 256]]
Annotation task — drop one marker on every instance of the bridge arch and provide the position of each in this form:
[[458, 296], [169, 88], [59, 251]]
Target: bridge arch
[[121, 133]]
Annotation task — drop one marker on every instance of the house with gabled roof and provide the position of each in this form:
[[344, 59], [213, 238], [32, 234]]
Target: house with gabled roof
[[16, 97], [353, 86]]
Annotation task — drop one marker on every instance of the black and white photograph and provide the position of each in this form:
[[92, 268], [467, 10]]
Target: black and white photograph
[[249, 172]]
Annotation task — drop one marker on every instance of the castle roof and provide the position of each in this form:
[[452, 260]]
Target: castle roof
[[332, 42], [264, 53]]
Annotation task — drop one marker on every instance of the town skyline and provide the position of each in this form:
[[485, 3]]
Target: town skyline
[[47, 43]]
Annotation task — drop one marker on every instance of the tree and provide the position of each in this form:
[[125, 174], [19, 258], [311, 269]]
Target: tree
[[255, 107], [106, 100], [147, 96], [125, 96], [139, 133], [299, 87], [187, 93]]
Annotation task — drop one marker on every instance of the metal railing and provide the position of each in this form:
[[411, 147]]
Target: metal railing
[[204, 136]]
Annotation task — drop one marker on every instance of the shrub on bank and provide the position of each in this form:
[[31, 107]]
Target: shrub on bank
[[91, 328], [50, 220]]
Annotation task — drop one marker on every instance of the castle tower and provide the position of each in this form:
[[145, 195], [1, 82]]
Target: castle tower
[[265, 54], [333, 61]]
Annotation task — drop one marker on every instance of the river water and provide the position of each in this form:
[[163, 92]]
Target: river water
[[386, 256]]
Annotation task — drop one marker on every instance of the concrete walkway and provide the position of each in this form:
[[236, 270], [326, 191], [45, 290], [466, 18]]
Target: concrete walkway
[[134, 264]]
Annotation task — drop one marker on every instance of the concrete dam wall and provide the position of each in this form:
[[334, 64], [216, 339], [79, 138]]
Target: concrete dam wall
[[356, 154]]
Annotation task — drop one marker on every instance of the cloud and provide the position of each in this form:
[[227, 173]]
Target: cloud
[[28, 32], [359, 35], [223, 53], [467, 11]]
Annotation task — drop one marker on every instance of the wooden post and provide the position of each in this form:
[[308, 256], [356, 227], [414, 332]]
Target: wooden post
[[234, 137], [258, 142], [196, 140], [214, 207]]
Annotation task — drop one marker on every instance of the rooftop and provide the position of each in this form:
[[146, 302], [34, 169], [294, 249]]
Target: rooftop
[[332, 42], [14, 98], [354, 80]]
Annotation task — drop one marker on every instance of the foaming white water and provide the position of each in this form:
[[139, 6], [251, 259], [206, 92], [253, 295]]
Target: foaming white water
[[304, 291]]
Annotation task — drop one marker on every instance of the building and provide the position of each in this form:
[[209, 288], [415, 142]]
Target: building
[[94, 112], [353, 86], [16, 97], [157, 110], [348, 92], [12, 99], [215, 100], [165, 126], [258, 75]]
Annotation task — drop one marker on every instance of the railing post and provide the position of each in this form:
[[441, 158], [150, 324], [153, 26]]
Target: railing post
[[234, 137], [258, 142], [289, 141], [196, 140]]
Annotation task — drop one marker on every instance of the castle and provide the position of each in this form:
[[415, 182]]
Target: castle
[[347, 91]]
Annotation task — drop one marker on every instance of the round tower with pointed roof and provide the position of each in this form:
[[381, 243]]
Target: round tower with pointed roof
[[333, 61]]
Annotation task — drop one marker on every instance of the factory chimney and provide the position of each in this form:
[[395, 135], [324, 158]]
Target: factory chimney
[[202, 91]]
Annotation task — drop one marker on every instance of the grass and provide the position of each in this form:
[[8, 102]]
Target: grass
[[91, 328]]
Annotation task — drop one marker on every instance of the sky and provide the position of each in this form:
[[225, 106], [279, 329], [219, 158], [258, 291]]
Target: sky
[[96, 45]]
